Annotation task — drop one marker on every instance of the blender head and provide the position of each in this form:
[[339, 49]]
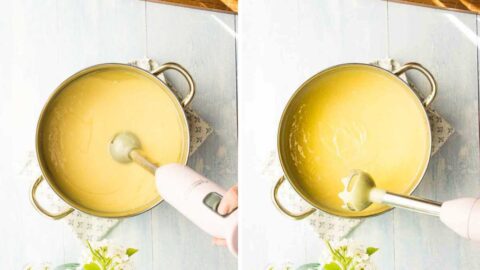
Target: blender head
[[358, 188], [122, 145], [125, 147]]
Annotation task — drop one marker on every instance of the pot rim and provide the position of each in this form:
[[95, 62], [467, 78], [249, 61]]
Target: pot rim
[[283, 163], [45, 173]]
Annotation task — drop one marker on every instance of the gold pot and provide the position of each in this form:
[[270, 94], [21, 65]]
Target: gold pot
[[311, 182], [154, 82]]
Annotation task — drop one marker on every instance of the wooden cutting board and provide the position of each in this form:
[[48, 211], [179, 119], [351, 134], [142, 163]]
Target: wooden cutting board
[[231, 6], [228, 6], [471, 6]]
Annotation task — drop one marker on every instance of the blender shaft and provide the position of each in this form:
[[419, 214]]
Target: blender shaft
[[141, 160], [420, 205]]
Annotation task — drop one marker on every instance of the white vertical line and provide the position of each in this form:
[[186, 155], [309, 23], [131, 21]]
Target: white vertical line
[[478, 72], [145, 19], [388, 30]]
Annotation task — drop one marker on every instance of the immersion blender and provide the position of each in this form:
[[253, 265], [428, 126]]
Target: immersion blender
[[193, 195], [460, 215]]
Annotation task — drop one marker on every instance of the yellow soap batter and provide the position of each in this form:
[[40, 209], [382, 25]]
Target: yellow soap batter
[[82, 120], [355, 118]]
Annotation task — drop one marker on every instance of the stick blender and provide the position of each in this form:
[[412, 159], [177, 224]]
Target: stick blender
[[193, 195], [460, 215]]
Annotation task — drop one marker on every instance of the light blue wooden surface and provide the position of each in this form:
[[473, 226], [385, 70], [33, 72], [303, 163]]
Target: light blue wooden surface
[[43, 42], [282, 43], [442, 42], [203, 43]]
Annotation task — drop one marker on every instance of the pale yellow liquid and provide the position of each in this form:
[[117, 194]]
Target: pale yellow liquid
[[83, 119], [354, 118]]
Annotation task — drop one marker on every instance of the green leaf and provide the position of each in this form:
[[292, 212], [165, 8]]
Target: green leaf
[[91, 266], [131, 251], [309, 266], [331, 266], [371, 250]]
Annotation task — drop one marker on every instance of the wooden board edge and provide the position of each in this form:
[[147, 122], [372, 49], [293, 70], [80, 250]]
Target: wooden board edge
[[407, 2], [211, 8]]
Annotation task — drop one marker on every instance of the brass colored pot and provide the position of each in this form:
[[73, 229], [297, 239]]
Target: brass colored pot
[[48, 176], [289, 165]]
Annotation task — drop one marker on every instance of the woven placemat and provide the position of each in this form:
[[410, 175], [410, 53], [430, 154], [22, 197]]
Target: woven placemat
[[87, 227]]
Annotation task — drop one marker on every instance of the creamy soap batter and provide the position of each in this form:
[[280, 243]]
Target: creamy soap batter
[[85, 116], [355, 118]]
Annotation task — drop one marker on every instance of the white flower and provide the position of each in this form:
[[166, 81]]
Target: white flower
[[116, 254], [43, 266], [365, 266], [349, 255], [285, 266]]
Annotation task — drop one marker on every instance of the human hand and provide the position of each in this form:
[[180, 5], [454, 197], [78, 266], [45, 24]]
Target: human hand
[[227, 205]]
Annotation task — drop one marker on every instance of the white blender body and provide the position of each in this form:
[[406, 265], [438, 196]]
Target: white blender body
[[197, 198], [462, 216]]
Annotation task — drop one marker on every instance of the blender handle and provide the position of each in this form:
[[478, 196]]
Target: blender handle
[[282, 209], [197, 198], [187, 99], [463, 217], [39, 208], [433, 84]]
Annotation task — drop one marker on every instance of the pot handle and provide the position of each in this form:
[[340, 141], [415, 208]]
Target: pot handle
[[281, 208], [433, 84], [186, 100], [42, 210]]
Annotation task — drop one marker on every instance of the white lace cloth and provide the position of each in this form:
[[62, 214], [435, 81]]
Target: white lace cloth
[[330, 227], [87, 227]]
